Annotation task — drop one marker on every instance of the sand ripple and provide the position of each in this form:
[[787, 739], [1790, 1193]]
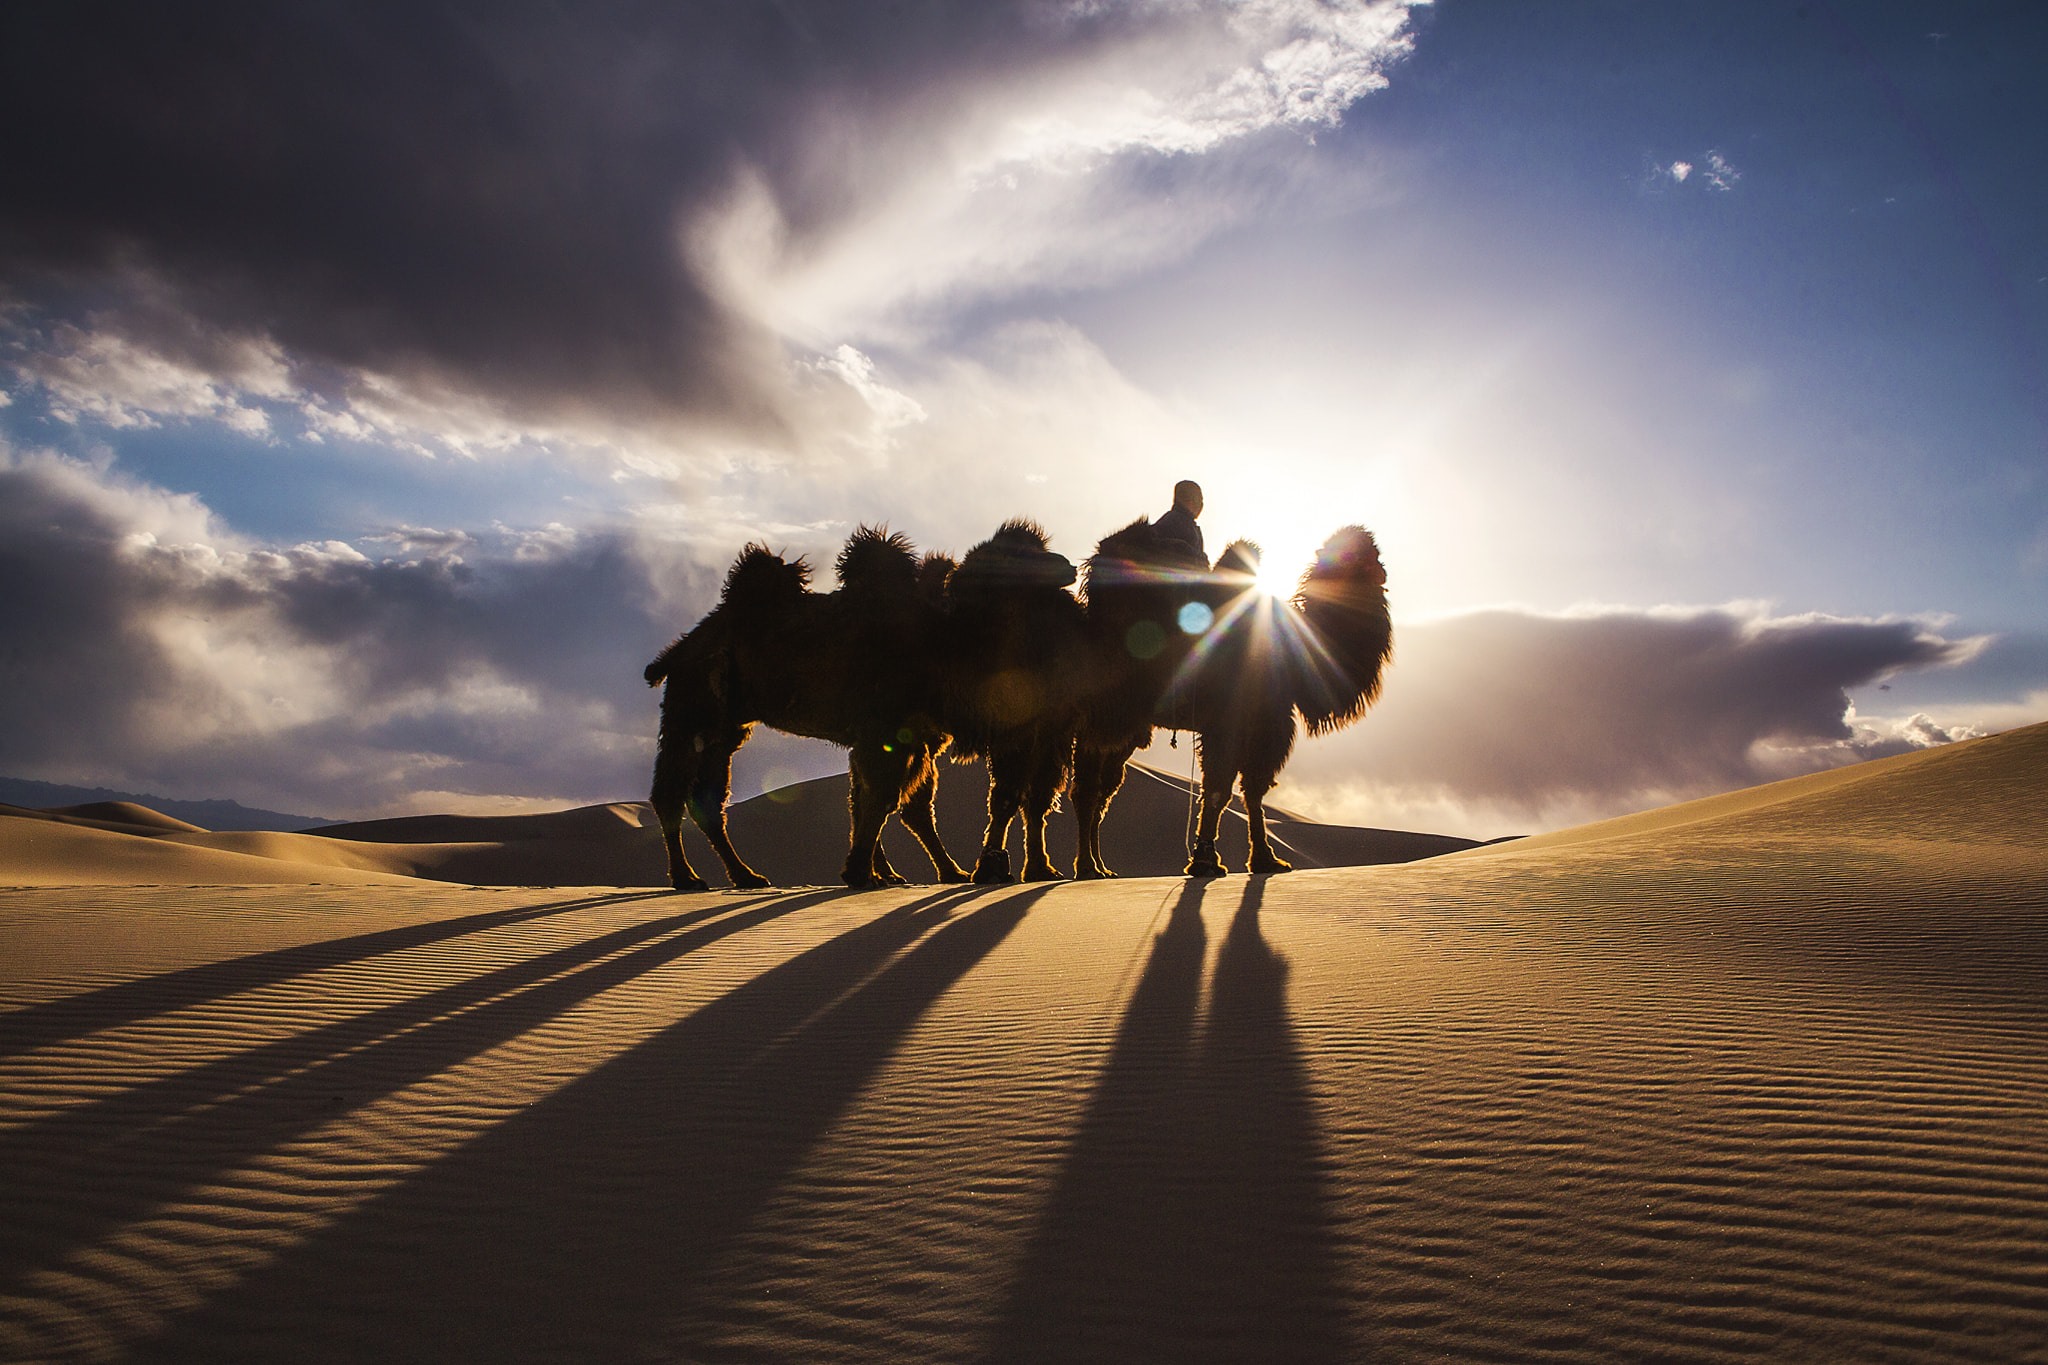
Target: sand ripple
[[1714, 1090]]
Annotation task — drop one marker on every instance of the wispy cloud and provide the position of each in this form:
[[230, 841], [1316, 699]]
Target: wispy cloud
[[661, 224], [1710, 171]]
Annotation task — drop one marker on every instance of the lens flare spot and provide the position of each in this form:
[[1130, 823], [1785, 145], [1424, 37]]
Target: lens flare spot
[[1144, 640], [1011, 697], [1196, 618]]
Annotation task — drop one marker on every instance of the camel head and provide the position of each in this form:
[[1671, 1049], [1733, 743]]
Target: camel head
[[1343, 605], [1350, 555]]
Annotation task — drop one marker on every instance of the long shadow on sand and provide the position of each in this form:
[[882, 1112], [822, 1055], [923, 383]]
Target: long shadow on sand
[[1192, 1220], [593, 1225], [170, 1136], [54, 1021]]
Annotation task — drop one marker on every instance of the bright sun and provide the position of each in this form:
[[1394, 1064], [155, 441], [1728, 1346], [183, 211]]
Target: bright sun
[[1282, 561]]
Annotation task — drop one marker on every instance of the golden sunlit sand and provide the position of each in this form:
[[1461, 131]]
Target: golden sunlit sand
[[1759, 1075]]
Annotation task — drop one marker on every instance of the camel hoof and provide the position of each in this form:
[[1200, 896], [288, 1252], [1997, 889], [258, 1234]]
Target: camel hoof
[[690, 884], [954, 876], [1264, 866], [994, 868], [856, 881], [1210, 868], [752, 881], [1092, 874], [1047, 873]]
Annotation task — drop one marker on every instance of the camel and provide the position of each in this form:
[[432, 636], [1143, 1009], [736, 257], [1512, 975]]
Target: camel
[[853, 667], [1320, 656], [1014, 674], [1134, 588]]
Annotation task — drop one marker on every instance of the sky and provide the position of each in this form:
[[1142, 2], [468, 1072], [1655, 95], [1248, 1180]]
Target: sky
[[382, 385]]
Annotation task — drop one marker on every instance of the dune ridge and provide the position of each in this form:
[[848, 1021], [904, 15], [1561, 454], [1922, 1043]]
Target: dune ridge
[[796, 836], [1761, 1077]]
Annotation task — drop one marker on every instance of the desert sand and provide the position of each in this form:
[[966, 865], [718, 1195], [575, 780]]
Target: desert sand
[[1760, 1075], [795, 836]]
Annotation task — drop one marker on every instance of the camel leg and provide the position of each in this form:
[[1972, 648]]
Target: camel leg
[[674, 764], [1039, 799], [1263, 858], [1098, 776], [1203, 859], [919, 818], [880, 773], [707, 806], [885, 871], [1005, 796]]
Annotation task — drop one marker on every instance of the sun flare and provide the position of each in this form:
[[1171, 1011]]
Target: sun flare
[[1279, 575]]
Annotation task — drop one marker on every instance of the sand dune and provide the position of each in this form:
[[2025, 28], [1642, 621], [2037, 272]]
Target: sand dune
[[1759, 1076], [796, 836]]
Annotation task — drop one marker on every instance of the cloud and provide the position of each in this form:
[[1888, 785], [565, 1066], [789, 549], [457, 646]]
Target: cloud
[[151, 646], [1718, 173], [1509, 721], [598, 227], [1714, 172]]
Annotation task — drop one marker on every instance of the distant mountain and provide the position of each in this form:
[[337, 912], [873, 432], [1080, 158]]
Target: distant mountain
[[213, 815]]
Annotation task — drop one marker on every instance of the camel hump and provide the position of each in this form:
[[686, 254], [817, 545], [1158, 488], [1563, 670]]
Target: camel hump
[[1240, 557], [1138, 555], [876, 560], [761, 579], [934, 572]]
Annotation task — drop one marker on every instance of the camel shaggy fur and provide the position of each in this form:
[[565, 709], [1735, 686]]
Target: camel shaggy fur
[[855, 667], [1134, 587], [1014, 675], [1241, 685]]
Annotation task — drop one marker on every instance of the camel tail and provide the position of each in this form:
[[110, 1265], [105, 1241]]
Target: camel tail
[[1342, 603]]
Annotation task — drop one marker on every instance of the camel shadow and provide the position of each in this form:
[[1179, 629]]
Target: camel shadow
[[1193, 1219], [180, 1131], [73, 1016], [593, 1224]]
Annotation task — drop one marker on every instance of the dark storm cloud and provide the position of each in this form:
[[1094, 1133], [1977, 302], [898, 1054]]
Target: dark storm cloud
[[1604, 711], [488, 197], [145, 645], [151, 649]]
